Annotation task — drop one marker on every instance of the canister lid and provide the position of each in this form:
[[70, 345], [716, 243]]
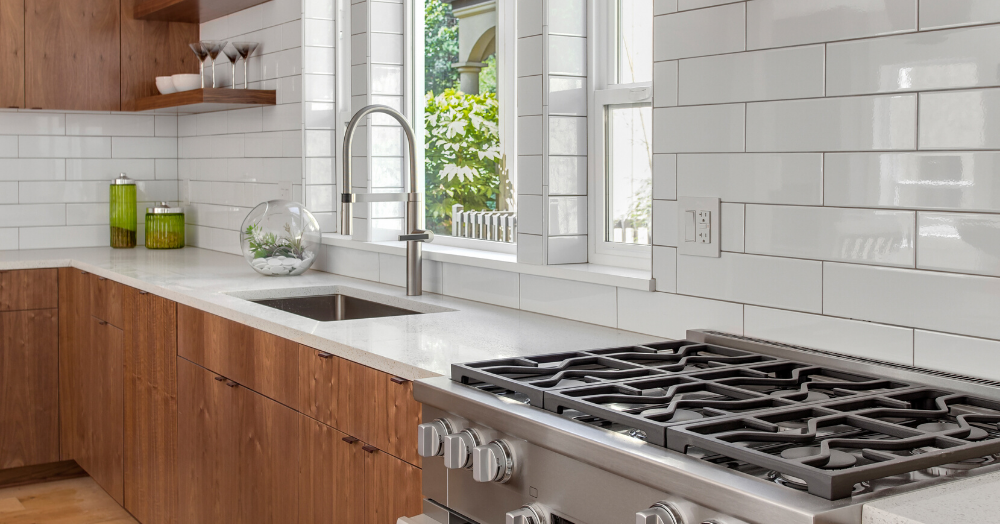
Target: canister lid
[[123, 180], [163, 209]]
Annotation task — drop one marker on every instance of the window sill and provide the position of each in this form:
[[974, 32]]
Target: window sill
[[639, 279]]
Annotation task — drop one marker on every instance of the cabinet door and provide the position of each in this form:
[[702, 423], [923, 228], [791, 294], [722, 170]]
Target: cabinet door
[[106, 300], [102, 411], [268, 460], [394, 417], [29, 289], [74, 342], [72, 54], [29, 388], [319, 386], [150, 407], [331, 466], [392, 488], [12, 53], [207, 415]]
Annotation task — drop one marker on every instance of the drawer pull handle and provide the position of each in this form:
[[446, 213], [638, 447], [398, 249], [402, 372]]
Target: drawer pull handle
[[231, 384], [101, 278], [144, 292], [102, 322], [322, 355], [82, 272], [399, 380], [218, 378], [350, 440], [369, 448]]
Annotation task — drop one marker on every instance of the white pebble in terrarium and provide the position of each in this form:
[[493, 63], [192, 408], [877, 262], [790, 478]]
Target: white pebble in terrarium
[[279, 238]]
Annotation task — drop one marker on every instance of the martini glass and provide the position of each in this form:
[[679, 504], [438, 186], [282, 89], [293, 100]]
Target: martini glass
[[202, 54], [214, 47], [245, 49], [234, 56]]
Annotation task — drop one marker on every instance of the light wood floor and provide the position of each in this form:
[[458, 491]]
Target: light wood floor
[[73, 501]]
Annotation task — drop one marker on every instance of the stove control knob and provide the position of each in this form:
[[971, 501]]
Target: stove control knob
[[528, 514], [492, 462], [430, 437], [458, 448], [660, 513]]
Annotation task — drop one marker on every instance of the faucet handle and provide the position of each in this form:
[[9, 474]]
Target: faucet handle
[[418, 236]]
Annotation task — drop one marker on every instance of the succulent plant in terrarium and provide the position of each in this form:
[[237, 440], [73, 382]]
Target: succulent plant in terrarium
[[278, 238]]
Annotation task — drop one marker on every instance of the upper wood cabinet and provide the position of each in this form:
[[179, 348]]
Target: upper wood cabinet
[[29, 388], [151, 49], [12, 53], [73, 54], [150, 363], [29, 289]]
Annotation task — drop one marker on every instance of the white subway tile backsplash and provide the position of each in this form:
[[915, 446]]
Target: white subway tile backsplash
[[662, 7], [386, 17], [834, 124], [733, 227], [392, 271], [106, 169], [568, 250], [567, 17], [8, 192], [701, 32], [567, 135], [63, 237], [8, 238], [664, 177], [491, 286], [165, 125], [144, 147], [935, 14], [972, 357], [776, 74], [32, 123], [967, 181], [665, 223], [959, 242], [767, 281], [848, 337], [566, 96], [529, 56], [861, 236], [591, 303], [286, 117], [529, 135], [567, 215], [684, 5], [668, 315], [567, 175], [665, 84], [567, 55], [530, 214], [109, 125], [32, 169], [32, 215], [702, 129], [961, 304], [780, 23], [960, 120], [245, 120], [529, 18], [951, 59], [529, 95], [763, 178], [665, 269], [64, 147], [529, 175], [530, 249], [8, 147]]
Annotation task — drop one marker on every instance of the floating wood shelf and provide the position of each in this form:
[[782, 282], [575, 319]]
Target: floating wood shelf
[[207, 100], [191, 11]]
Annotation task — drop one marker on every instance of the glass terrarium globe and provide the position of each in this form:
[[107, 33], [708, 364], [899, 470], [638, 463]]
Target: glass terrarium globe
[[280, 238]]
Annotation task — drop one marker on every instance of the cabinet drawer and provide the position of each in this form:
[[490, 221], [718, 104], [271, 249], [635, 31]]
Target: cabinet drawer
[[29, 289], [106, 300], [263, 362]]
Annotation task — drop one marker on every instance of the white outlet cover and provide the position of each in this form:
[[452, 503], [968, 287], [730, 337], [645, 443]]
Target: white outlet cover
[[686, 205]]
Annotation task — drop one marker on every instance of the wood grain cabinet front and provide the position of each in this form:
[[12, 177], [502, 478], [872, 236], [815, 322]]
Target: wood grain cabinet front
[[12, 53], [29, 289], [100, 448], [106, 300]]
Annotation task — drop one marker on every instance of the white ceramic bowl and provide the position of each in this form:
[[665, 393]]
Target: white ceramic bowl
[[165, 85], [187, 82]]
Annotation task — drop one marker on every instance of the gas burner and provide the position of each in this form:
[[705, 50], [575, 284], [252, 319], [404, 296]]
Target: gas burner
[[800, 382], [796, 483], [838, 459], [812, 396], [935, 427]]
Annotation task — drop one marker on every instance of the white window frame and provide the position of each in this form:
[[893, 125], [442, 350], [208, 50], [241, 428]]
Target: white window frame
[[605, 92]]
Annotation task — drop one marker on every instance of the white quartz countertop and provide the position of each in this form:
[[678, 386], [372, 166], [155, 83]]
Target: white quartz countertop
[[412, 346], [970, 501]]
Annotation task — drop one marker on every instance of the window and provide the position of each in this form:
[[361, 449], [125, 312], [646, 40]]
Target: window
[[622, 185], [469, 192]]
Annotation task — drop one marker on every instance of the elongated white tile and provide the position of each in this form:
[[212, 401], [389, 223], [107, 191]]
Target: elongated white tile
[[567, 95], [833, 124], [567, 135], [957, 58], [567, 250], [144, 147], [32, 123], [780, 23], [64, 237], [8, 238], [701, 32], [764, 178], [165, 125], [567, 17], [529, 56], [664, 177], [567, 175], [64, 147], [935, 14], [862, 236], [665, 84], [567, 215], [52, 192], [733, 227], [591, 303], [8, 147], [962, 304], [110, 125], [959, 242], [767, 281], [529, 135], [668, 315], [530, 213], [529, 18], [392, 270], [665, 223], [29, 215], [665, 268], [567, 56], [32, 169], [704, 129], [960, 120], [481, 285], [106, 168], [530, 97], [973, 357], [968, 181], [848, 337], [777, 74]]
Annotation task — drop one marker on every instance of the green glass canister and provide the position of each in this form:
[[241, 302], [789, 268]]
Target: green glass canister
[[123, 211], [164, 227]]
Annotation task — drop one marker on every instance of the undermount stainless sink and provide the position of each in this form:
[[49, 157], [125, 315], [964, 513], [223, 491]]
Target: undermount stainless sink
[[327, 308]]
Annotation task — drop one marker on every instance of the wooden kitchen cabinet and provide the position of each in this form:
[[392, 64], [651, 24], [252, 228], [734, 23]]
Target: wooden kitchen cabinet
[[268, 438], [74, 324], [73, 54], [392, 488], [12, 53], [331, 469], [151, 49], [29, 388], [29, 289], [106, 300], [394, 417], [150, 407]]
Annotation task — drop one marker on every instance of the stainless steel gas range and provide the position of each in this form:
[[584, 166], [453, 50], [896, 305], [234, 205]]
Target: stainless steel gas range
[[714, 429]]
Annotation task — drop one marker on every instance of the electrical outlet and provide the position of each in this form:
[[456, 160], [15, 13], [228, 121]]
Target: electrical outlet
[[698, 226]]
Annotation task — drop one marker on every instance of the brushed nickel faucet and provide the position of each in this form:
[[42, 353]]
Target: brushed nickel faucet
[[414, 235]]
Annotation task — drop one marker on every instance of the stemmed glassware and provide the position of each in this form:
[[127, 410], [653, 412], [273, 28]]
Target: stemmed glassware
[[234, 56], [202, 54], [214, 47], [245, 49]]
